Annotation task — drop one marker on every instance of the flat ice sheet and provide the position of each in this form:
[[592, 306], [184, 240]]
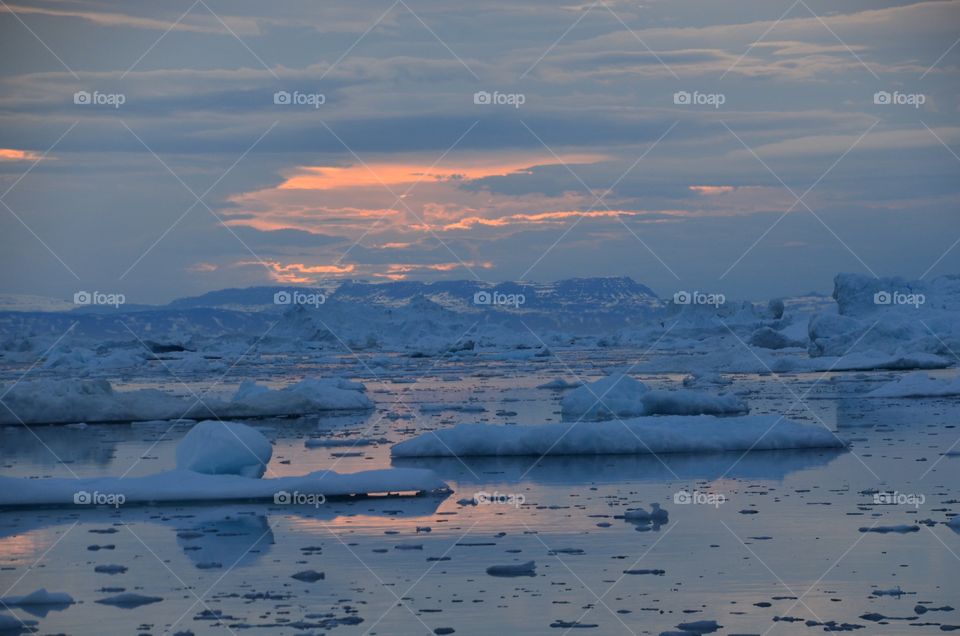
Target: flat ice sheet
[[188, 486]]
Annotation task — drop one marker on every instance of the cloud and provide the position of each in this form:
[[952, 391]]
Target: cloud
[[12, 154], [195, 23]]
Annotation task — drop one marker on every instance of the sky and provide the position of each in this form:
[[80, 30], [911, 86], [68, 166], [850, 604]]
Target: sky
[[752, 148]]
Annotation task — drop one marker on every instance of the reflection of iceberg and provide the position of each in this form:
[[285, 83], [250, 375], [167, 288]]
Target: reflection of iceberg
[[625, 468], [637, 436], [862, 413], [229, 534], [47, 446], [232, 540]]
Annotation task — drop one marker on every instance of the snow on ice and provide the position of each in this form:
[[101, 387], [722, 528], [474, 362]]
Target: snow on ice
[[96, 400], [620, 395], [217, 461], [662, 434]]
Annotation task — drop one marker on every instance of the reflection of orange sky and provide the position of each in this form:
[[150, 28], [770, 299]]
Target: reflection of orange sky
[[21, 548]]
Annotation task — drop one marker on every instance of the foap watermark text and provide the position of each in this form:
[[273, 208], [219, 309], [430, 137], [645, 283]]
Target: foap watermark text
[[98, 298], [696, 98], [296, 297], [896, 98], [496, 98], [96, 98], [514, 499], [97, 498], [498, 298], [297, 498], [698, 298], [899, 298], [687, 497], [298, 98], [897, 498]]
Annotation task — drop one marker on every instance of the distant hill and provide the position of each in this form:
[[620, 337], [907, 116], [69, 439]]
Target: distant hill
[[581, 294]]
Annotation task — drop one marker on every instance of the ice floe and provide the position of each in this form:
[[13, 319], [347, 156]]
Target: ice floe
[[217, 461], [620, 395], [663, 434], [917, 385], [188, 486], [80, 400]]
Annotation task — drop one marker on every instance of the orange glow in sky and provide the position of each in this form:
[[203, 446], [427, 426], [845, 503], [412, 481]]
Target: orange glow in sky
[[381, 174], [12, 154]]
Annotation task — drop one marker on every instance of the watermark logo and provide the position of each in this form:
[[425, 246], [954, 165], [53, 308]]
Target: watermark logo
[[297, 498], [698, 298], [896, 98], [97, 498], [514, 499], [498, 298], [685, 497], [497, 98], [96, 98], [898, 298], [98, 298], [896, 498], [295, 297], [297, 98], [696, 98]]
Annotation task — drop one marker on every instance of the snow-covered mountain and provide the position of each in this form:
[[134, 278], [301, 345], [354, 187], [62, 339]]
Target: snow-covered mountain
[[617, 294], [357, 310]]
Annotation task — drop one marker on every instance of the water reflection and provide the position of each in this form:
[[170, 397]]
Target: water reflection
[[775, 465], [234, 540], [234, 535]]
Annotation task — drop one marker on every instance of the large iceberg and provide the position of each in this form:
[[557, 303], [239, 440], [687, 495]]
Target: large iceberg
[[889, 315], [662, 434]]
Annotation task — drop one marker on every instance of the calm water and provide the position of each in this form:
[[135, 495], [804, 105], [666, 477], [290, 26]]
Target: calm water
[[785, 541]]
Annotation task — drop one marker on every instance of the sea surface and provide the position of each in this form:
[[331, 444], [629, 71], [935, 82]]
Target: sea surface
[[772, 542]]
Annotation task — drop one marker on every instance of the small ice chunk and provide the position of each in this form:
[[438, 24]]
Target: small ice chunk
[[514, 569], [700, 627], [38, 597], [901, 529], [129, 600], [560, 384], [656, 514]]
